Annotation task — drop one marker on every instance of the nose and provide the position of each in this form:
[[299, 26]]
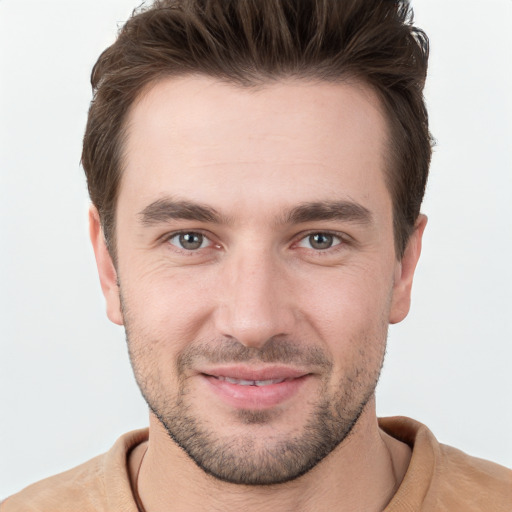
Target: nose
[[255, 302]]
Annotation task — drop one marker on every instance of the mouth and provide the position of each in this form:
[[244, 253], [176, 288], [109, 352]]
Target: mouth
[[252, 388], [243, 382]]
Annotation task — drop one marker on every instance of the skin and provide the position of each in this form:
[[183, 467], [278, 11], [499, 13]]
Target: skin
[[258, 288]]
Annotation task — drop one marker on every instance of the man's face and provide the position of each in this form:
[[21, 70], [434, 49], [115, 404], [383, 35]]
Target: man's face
[[257, 268]]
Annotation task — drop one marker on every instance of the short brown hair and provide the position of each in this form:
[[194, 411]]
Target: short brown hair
[[250, 42]]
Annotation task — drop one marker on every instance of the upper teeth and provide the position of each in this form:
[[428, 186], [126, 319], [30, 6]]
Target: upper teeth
[[243, 382]]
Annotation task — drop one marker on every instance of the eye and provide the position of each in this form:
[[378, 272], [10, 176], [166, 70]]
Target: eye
[[320, 241], [190, 241]]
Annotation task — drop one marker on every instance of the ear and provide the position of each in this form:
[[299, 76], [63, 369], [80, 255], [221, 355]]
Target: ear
[[404, 273], [106, 269]]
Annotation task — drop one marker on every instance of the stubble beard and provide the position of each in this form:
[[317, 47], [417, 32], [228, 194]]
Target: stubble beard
[[245, 459]]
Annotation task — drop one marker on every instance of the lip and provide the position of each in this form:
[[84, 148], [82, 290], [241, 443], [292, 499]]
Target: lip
[[244, 372], [255, 397]]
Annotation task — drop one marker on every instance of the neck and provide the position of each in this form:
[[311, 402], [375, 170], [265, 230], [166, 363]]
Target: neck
[[362, 473]]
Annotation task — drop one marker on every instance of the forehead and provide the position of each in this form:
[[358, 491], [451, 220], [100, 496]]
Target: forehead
[[285, 141]]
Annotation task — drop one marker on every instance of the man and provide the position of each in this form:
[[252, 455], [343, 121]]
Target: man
[[256, 171]]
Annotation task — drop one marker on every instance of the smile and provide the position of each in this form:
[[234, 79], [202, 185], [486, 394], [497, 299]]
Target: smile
[[242, 382], [242, 387]]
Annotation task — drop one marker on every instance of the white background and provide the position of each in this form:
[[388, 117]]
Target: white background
[[66, 387]]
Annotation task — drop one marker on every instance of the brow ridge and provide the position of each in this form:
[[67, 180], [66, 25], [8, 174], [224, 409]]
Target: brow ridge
[[348, 211], [165, 209]]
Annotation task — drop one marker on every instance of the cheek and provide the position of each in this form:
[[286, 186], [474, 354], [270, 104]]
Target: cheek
[[347, 300], [349, 312], [166, 305]]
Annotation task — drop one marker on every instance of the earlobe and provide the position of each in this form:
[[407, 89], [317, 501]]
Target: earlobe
[[106, 269], [401, 300]]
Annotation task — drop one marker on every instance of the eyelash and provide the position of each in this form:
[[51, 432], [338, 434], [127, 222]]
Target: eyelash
[[188, 252], [343, 241]]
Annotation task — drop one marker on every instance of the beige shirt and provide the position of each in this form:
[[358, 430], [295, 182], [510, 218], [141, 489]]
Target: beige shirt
[[439, 478]]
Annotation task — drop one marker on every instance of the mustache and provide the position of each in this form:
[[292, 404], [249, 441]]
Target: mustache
[[275, 350]]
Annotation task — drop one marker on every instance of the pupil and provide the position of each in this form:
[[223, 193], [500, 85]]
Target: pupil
[[321, 241], [191, 240]]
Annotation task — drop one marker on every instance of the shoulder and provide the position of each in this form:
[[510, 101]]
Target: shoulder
[[84, 484], [442, 478], [98, 485], [478, 483]]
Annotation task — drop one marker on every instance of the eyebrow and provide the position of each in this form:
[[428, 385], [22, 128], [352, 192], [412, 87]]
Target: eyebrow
[[167, 209], [346, 211], [163, 210]]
